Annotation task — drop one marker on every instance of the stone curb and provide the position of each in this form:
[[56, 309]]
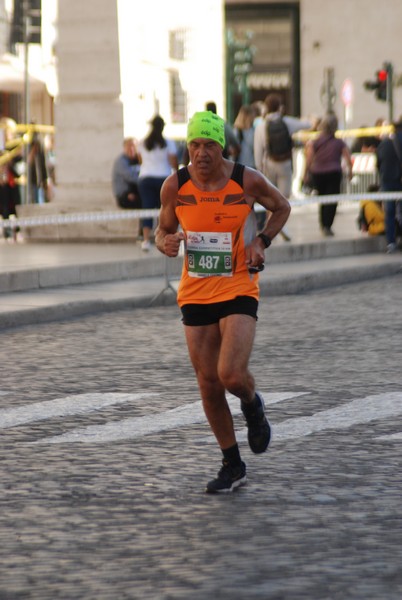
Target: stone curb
[[275, 281]]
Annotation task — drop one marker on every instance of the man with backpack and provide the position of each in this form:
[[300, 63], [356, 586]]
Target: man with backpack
[[273, 146]]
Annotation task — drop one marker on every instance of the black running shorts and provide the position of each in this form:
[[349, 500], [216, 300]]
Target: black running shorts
[[207, 314]]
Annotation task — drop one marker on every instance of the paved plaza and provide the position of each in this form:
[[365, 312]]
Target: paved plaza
[[105, 454]]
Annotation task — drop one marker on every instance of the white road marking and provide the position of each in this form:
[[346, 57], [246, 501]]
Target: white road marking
[[390, 438], [357, 412], [61, 407], [137, 427]]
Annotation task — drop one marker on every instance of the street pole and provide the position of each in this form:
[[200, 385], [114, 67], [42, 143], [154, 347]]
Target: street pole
[[229, 83], [390, 91], [27, 117], [327, 91]]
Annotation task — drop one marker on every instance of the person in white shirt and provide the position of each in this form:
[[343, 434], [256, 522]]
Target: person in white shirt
[[158, 157]]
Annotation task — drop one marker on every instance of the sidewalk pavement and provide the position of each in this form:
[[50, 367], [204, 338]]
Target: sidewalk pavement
[[44, 282]]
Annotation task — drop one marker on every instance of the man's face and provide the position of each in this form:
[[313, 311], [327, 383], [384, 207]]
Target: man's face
[[130, 149], [204, 154]]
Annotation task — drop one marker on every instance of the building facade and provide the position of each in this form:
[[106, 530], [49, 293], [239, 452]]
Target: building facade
[[117, 65], [318, 53]]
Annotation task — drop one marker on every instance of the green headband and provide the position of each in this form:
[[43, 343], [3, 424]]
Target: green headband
[[206, 125]]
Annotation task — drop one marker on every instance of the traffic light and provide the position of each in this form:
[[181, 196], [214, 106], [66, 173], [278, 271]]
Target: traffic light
[[382, 83], [381, 90], [31, 22]]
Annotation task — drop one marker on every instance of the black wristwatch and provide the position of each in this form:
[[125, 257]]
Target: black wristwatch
[[265, 239]]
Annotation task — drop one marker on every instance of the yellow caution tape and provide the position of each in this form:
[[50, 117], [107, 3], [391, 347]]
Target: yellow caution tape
[[305, 134], [7, 156], [14, 146]]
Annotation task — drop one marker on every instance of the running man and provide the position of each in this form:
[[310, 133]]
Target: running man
[[212, 201]]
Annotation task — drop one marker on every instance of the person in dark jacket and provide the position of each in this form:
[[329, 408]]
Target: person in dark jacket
[[125, 176], [389, 163]]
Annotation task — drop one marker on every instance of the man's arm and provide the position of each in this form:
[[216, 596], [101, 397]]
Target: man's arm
[[348, 159], [294, 124], [309, 154], [259, 189], [167, 238]]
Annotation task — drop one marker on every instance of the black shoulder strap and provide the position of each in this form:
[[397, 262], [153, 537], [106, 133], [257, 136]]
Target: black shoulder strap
[[183, 176], [237, 174], [267, 123]]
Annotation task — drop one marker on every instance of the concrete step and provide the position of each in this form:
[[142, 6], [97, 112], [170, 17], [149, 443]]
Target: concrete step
[[41, 273], [56, 303]]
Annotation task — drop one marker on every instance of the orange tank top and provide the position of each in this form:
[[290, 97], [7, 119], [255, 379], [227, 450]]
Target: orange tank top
[[217, 226]]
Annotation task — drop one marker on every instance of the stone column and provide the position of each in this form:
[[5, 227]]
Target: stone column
[[88, 121], [88, 112]]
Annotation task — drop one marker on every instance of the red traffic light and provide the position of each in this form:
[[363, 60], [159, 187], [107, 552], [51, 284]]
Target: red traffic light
[[382, 84]]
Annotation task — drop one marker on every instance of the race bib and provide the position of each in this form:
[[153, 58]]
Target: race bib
[[209, 254]]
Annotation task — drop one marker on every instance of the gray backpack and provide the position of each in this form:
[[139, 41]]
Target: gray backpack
[[279, 142]]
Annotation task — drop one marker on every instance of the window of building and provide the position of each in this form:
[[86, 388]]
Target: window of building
[[274, 31], [178, 99], [177, 44]]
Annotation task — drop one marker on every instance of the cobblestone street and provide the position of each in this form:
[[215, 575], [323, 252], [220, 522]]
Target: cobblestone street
[[105, 454]]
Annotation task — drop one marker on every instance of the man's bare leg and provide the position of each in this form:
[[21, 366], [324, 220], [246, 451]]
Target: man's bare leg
[[237, 338], [204, 345], [211, 348]]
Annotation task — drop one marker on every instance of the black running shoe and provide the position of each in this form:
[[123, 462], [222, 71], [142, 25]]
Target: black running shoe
[[229, 478], [259, 430]]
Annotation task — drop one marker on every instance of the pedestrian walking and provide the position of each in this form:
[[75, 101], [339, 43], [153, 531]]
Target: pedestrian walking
[[244, 131], [244, 127], [157, 156], [212, 200], [273, 146], [324, 157]]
